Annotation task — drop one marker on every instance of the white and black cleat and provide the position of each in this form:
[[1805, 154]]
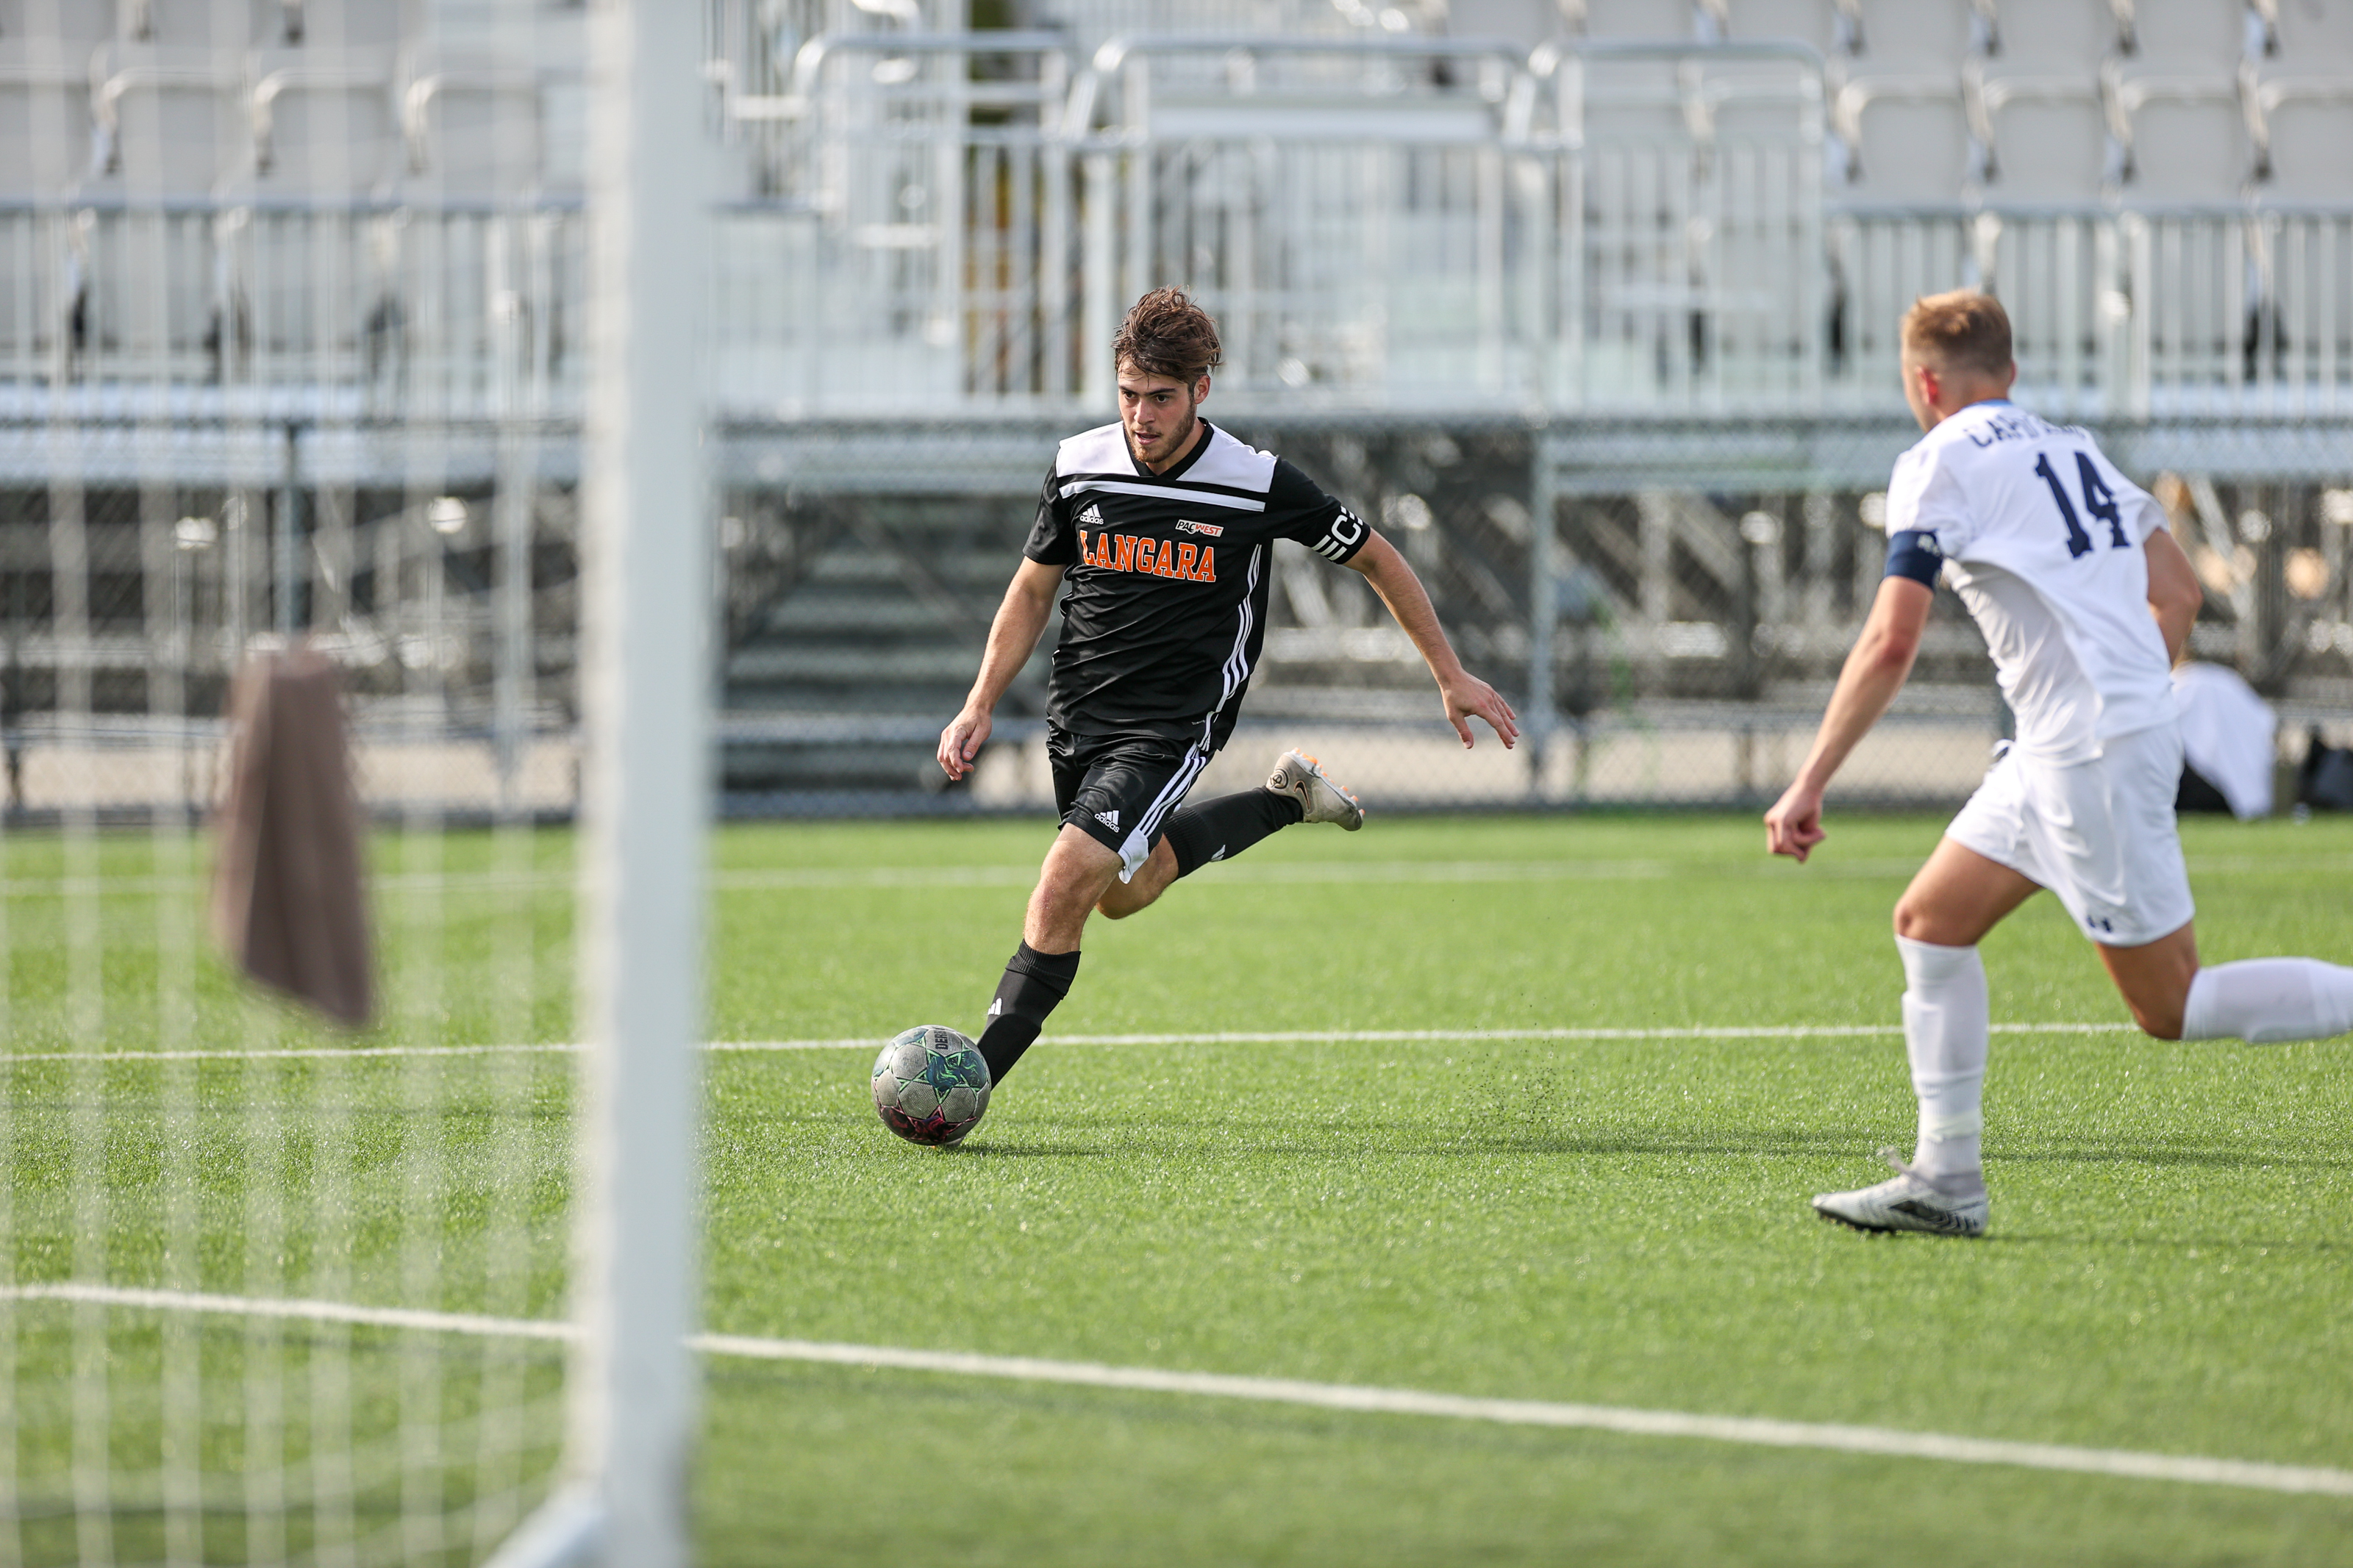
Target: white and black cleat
[[1908, 1201], [1302, 778]]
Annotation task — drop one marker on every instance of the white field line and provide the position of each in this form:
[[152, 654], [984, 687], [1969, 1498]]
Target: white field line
[[1877, 1441], [1319, 873], [306, 1053], [1230, 1038]]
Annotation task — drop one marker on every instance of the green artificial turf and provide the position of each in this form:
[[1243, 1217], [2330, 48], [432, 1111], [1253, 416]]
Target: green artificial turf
[[1609, 1221]]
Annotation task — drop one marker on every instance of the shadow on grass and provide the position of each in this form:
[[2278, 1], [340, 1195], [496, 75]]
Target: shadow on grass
[[2225, 1246], [1026, 1151], [2193, 1155]]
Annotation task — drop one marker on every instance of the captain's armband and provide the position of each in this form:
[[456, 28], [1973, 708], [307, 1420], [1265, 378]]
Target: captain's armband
[[1913, 554]]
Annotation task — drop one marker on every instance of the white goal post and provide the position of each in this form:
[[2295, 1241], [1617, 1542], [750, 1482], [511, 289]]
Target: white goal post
[[645, 688]]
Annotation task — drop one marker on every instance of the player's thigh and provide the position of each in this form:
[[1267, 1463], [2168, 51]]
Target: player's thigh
[[2153, 979], [2104, 833], [1958, 896], [1077, 870]]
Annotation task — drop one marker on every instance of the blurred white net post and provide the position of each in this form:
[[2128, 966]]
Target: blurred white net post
[[292, 305], [645, 689]]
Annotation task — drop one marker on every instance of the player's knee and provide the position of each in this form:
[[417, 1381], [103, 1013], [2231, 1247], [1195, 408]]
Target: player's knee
[[1125, 899], [1911, 921], [2157, 1023]]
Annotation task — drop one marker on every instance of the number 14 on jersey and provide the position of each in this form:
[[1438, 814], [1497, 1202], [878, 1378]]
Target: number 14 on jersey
[[2098, 499]]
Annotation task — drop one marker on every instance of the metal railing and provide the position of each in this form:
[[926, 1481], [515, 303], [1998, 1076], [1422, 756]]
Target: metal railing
[[1382, 225]]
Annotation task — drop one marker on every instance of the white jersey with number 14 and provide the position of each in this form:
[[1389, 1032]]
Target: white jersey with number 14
[[2042, 538]]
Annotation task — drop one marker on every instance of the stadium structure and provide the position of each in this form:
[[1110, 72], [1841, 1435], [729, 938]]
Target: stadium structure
[[1589, 303]]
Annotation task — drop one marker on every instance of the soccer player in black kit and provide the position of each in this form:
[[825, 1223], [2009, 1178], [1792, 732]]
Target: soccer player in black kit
[[1166, 529]]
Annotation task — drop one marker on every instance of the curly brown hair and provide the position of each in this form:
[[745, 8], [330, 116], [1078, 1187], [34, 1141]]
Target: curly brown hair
[[1167, 334], [1963, 330]]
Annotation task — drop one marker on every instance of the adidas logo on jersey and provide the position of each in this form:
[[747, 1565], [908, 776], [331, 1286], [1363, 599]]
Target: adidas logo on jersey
[[1109, 820], [1092, 517], [996, 1007]]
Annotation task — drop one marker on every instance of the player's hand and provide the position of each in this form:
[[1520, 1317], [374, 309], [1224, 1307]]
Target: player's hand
[[1794, 826], [961, 741], [1465, 695]]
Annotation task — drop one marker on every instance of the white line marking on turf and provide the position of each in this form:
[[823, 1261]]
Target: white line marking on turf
[[306, 1311], [306, 1053], [1877, 1441], [1448, 1037], [1228, 1037], [1319, 873], [758, 878]]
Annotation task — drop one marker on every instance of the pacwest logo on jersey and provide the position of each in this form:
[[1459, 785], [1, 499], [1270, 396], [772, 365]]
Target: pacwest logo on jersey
[[1154, 557]]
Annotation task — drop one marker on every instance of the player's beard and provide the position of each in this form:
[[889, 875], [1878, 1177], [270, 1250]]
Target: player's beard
[[1164, 450]]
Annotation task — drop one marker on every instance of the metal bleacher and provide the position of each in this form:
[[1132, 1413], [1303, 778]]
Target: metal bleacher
[[1613, 249]]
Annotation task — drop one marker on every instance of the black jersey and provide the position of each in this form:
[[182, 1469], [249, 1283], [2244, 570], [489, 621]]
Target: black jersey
[[1166, 607]]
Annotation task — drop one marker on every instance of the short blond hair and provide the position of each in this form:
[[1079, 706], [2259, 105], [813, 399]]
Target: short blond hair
[[1963, 330]]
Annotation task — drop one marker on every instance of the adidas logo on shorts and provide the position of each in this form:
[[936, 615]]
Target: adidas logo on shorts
[[1109, 820]]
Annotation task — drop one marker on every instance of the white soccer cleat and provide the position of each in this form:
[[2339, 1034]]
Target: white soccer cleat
[[1302, 778], [1908, 1201]]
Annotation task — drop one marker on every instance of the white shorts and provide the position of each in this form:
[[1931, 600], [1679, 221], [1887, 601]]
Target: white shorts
[[2100, 833]]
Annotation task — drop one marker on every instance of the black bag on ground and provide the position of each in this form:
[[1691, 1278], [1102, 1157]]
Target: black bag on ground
[[2196, 794], [2325, 781]]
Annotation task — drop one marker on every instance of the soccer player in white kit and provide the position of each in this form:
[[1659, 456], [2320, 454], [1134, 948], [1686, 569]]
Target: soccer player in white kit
[[2085, 603]]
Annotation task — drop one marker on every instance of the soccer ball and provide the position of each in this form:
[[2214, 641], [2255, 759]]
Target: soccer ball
[[931, 1085]]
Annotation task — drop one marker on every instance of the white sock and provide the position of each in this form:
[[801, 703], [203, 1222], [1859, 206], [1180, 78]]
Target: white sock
[[2266, 1000], [1946, 1024]]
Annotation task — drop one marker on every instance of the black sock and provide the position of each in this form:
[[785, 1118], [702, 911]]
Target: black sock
[[1222, 829], [1034, 981]]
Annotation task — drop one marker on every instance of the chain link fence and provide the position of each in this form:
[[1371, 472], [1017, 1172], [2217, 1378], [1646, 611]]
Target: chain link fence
[[1704, 583], [450, 604], [1670, 642]]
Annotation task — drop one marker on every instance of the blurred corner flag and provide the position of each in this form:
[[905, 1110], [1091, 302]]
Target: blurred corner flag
[[290, 904]]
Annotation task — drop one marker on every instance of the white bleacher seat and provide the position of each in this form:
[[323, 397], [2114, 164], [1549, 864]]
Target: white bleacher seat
[[78, 25], [2183, 138], [563, 146], [1814, 22], [2051, 36], [323, 123], [2304, 126], [44, 120], [168, 123], [1904, 140], [198, 24], [337, 24], [1762, 100], [2187, 35], [1650, 19], [2044, 138], [2313, 35], [1623, 102], [1526, 23], [1916, 34], [473, 129]]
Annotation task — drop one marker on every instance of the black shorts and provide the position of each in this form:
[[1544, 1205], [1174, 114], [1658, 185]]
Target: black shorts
[[1119, 790]]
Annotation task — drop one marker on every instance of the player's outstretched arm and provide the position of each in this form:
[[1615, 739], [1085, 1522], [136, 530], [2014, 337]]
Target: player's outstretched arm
[[1012, 638], [1464, 693], [2174, 592], [1875, 672]]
